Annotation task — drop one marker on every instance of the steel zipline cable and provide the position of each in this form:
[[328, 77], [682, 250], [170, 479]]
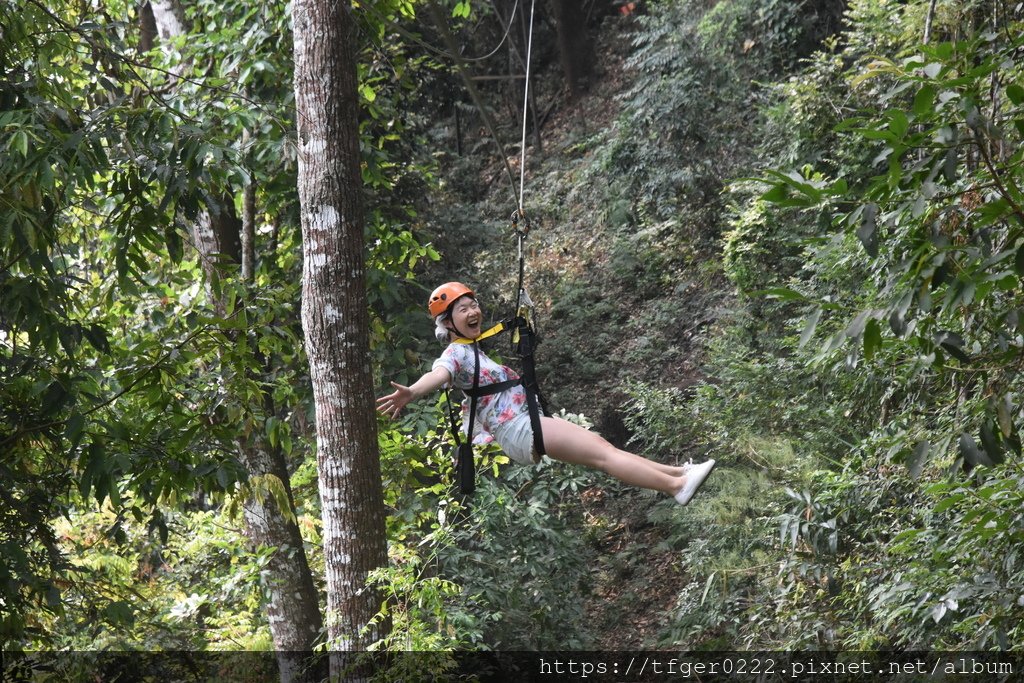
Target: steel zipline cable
[[526, 106], [520, 214]]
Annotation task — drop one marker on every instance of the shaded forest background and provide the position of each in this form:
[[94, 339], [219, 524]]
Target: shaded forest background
[[786, 235]]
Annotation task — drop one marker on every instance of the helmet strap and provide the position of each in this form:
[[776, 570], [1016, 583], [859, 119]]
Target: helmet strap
[[453, 328], [451, 318]]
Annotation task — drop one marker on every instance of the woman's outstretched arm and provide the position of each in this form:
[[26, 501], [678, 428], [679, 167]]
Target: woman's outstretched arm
[[393, 403]]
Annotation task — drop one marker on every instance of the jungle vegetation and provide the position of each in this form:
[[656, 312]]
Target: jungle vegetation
[[787, 235]]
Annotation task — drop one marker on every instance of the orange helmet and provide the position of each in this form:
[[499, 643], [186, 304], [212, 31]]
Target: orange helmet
[[445, 295]]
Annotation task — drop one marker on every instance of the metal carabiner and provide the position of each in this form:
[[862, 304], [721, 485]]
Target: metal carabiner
[[516, 217]]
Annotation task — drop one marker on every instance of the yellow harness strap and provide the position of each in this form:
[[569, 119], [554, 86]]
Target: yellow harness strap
[[497, 329]]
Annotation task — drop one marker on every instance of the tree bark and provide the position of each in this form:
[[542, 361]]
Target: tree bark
[[147, 28], [248, 224], [293, 606], [575, 49], [335, 319]]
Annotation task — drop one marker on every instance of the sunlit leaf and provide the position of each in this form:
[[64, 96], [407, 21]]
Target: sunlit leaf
[[867, 232], [810, 325]]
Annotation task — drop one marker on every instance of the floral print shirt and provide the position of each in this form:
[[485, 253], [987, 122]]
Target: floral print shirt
[[493, 410]]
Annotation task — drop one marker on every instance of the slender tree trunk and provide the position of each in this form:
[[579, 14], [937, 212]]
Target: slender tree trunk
[[575, 48], [293, 606], [169, 17], [334, 315], [248, 225], [147, 28]]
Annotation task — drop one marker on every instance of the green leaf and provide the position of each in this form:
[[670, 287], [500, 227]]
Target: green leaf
[[990, 442], [959, 293], [1018, 261], [898, 317], [810, 326], [270, 428], [119, 613], [971, 453], [949, 165], [917, 459], [898, 123], [280, 494], [867, 232], [224, 477], [19, 142], [175, 248], [896, 166], [707, 587], [872, 134], [776, 194], [872, 339], [1004, 410], [73, 429], [94, 461], [97, 338], [924, 101], [948, 502], [53, 599], [1015, 93], [856, 326], [953, 343], [367, 92], [54, 398]]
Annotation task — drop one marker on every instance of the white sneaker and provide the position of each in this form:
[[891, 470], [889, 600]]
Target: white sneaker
[[695, 476]]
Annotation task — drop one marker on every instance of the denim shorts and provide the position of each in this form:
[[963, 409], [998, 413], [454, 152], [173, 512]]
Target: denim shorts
[[516, 439]]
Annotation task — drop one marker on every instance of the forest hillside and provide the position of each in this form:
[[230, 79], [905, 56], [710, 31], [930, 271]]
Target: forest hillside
[[785, 235]]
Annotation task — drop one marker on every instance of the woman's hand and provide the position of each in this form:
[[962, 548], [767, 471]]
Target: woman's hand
[[393, 403]]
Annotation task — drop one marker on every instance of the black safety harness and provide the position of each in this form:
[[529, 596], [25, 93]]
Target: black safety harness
[[524, 341]]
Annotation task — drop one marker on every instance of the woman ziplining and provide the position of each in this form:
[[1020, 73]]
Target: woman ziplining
[[505, 414]]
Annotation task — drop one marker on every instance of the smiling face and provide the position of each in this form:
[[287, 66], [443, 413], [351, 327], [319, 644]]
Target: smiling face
[[466, 317]]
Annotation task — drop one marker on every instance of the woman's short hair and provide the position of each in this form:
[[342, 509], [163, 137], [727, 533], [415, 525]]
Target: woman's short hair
[[440, 331]]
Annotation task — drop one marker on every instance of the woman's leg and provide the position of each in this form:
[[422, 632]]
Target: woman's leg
[[674, 470], [571, 443]]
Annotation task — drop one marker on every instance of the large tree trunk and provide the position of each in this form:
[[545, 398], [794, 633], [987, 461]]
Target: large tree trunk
[[334, 314], [293, 606]]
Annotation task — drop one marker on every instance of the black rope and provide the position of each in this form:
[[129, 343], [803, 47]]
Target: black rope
[[474, 94]]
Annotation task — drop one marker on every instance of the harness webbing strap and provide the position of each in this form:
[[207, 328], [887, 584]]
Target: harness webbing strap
[[453, 418], [497, 329], [525, 344], [524, 339], [466, 466], [496, 388]]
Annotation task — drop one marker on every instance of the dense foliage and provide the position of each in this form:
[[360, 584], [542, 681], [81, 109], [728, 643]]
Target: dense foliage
[[913, 275], [130, 373], [872, 371]]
